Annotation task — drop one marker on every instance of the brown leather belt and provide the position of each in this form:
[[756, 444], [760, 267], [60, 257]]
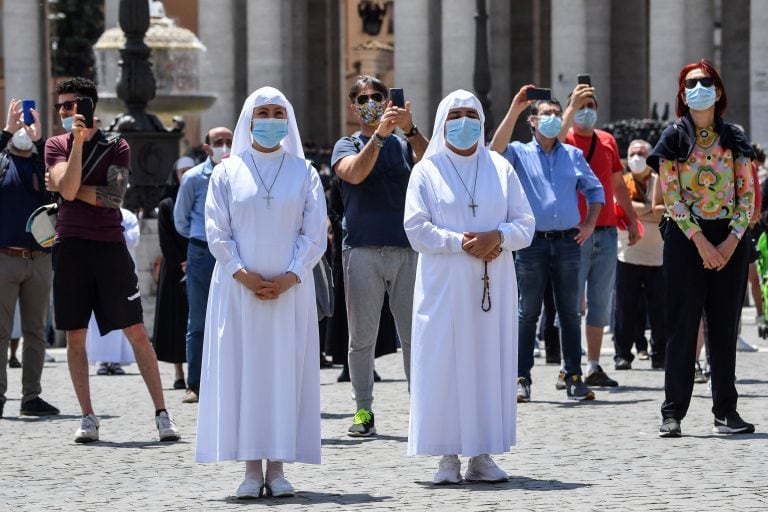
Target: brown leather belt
[[20, 253]]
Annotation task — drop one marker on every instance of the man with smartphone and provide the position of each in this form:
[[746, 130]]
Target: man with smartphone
[[374, 166], [93, 270], [551, 174], [25, 267], [599, 254]]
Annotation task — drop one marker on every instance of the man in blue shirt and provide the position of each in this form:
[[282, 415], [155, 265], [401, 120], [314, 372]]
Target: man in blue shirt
[[374, 166], [189, 219], [551, 173]]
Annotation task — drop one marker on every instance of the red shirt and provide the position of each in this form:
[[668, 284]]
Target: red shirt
[[605, 162], [76, 218]]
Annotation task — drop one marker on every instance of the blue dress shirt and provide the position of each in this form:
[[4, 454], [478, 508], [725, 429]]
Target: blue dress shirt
[[189, 210]]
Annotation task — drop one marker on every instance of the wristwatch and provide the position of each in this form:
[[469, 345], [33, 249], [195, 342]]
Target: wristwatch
[[412, 132], [378, 140]]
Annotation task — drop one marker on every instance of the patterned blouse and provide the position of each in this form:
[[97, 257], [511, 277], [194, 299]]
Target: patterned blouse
[[709, 185]]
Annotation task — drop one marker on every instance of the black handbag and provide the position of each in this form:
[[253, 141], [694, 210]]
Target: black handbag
[[323, 289]]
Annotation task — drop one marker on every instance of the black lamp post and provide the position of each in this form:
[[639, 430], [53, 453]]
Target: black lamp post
[[481, 78], [153, 148]]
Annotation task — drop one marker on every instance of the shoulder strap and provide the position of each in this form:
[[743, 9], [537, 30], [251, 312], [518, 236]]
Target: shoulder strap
[[99, 151], [5, 162], [592, 147]]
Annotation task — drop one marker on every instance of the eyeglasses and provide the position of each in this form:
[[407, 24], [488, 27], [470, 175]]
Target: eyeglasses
[[705, 81], [363, 98], [67, 105]]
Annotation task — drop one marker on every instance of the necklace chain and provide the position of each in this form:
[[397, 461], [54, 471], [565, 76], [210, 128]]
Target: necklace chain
[[269, 195], [471, 195]]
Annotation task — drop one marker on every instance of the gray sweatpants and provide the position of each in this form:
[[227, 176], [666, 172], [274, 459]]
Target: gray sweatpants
[[369, 272]]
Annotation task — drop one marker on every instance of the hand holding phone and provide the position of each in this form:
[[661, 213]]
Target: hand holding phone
[[397, 97], [27, 106], [584, 79], [536, 93], [85, 109]]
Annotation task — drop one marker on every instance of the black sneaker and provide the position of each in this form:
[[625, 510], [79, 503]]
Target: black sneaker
[[523, 390], [600, 379], [577, 390], [560, 383], [732, 424], [37, 407], [670, 427], [657, 364], [2, 405], [14, 363], [622, 364], [363, 425]]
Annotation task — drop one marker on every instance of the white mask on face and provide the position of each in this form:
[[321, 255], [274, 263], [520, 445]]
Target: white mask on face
[[219, 153], [21, 140], [636, 163]]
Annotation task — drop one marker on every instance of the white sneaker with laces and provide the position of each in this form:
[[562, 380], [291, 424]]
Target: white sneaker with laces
[[250, 488], [166, 427], [483, 469], [448, 470], [279, 487], [743, 346], [89, 429]]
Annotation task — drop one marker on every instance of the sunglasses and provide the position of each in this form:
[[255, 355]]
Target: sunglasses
[[67, 105], [363, 98], [706, 81]]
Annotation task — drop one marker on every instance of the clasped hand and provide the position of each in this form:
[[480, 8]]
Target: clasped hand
[[265, 289], [484, 245], [715, 258]]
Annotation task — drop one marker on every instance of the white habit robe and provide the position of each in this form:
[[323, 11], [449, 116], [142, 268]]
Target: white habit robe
[[114, 347], [260, 382], [463, 359]]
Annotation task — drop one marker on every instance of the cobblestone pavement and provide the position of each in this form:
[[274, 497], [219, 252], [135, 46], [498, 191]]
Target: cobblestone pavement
[[603, 455]]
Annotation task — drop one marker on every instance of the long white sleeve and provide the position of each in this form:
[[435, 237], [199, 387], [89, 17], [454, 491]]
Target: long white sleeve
[[313, 236], [131, 232], [218, 227]]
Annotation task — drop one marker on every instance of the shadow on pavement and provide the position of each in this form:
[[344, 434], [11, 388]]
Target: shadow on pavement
[[590, 403], [308, 497], [336, 415], [343, 441], [730, 437], [134, 444], [67, 417], [514, 482]]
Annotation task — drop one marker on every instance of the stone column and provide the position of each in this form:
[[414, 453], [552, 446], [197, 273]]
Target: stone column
[[758, 91], [417, 61], [735, 59], [111, 11], [569, 46], [267, 36], [25, 55], [458, 36], [629, 58], [218, 70]]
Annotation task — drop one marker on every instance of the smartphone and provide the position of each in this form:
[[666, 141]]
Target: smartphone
[[85, 109], [397, 97], [536, 93], [584, 79], [26, 106]]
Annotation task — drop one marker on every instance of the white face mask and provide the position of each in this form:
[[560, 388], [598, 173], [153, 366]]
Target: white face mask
[[636, 163], [218, 153], [21, 140]]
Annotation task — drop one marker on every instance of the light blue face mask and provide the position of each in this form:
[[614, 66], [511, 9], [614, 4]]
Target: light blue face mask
[[68, 122], [586, 118], [462, 133], [549, 126], [700, 97], [269, 132]]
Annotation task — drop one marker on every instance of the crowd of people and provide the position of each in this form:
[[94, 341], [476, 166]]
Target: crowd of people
[[441, 238]]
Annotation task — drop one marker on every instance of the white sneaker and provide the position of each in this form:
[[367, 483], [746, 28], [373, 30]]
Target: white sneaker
[[743, 346], [250, 488], [166, 427], [49, 358], [483, 469], [279, 487], [89, 429], [448, 470]]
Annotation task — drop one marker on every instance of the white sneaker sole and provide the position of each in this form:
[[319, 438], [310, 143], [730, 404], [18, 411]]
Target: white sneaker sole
[[478, 478], [86, 438], [722, 429]]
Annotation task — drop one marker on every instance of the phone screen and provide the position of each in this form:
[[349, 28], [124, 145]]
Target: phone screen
[[584, 79], [397, 96], [85, 109], [26, 106], [536, 93]]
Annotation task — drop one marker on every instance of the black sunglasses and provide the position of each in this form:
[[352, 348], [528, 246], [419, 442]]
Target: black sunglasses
[[68, 105], [706, 81], [363, 98]]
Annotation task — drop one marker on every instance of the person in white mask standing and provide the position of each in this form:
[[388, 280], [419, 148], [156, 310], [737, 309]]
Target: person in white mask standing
[[265, 220], [638, 271], [189, 219], [465, 214], [25, 267]]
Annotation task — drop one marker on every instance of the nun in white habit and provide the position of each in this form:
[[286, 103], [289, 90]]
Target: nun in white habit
[[465, 212], [265, 220]]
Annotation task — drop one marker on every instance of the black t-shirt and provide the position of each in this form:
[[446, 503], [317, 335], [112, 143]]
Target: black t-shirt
[[374, 209]]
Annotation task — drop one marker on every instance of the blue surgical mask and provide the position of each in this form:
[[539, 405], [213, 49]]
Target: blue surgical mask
[[269, 132], [462, 133], [68, 122], [700, 97], [549, 126], [586, 118]]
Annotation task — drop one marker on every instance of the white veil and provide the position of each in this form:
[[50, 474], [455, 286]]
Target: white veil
[[458, 98], [242, 140]]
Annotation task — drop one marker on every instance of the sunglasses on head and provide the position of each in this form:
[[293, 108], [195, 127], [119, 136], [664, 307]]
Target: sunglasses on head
[[68, 105], [706, 81], [363, 98]]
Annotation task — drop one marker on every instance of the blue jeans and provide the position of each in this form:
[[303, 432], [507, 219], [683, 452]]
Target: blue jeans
[[558, 261], [200, 263], [598, 274]]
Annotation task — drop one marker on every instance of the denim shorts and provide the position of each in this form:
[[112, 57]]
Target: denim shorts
[[598, 274]]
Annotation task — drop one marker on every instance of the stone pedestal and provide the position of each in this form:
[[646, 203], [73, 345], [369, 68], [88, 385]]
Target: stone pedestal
[[758, 91], [147, 253]]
